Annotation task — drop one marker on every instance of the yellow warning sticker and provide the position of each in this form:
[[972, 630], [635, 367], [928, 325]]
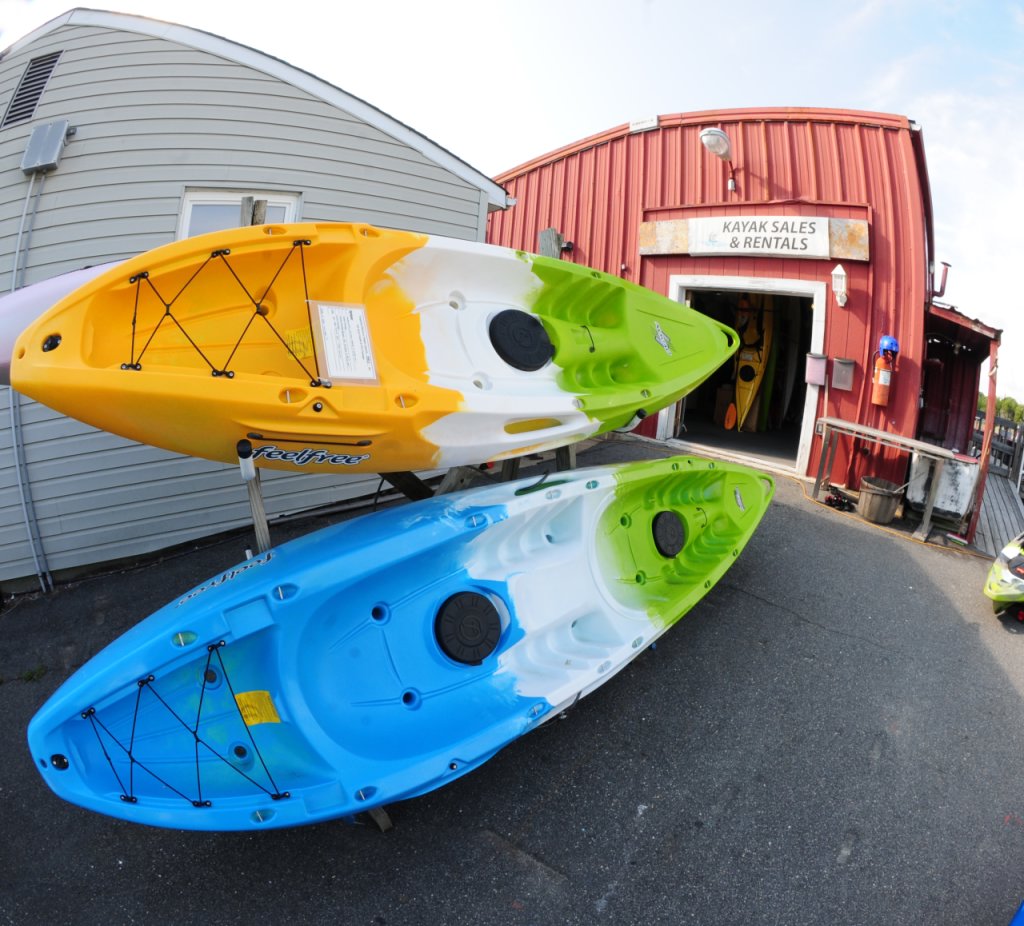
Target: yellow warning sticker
[[300, 342], [256, 707]]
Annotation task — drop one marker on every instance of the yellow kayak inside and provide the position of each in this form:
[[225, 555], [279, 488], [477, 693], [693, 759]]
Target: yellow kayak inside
[[755, 329]]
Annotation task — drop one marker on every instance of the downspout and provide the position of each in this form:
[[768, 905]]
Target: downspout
[[21, 231], [20, 279], [17, 444]]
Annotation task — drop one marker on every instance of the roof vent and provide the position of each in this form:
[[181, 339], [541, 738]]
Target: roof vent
[[30, 88]]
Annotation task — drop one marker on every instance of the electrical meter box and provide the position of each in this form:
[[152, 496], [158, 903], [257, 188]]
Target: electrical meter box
[[45, 147]]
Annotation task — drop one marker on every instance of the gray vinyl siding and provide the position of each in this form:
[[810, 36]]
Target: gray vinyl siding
[[99, 497], [154, 118]]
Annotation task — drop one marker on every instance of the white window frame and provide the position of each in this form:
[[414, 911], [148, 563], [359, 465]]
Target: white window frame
[[214, 197], [679, 286]]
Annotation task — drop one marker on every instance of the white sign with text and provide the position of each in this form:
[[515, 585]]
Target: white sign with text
[[765, 236]]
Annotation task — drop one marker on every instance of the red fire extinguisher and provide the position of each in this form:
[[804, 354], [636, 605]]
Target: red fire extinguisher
[[885, 362]]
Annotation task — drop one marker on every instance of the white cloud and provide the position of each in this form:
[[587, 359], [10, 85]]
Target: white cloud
[[977, 178]]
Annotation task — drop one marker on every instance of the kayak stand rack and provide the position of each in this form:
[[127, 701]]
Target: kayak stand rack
[[251, 478], [460, 477], [408, 483]]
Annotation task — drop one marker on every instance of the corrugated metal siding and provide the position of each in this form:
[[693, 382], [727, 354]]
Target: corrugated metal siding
[[838, 164], [154, 117]]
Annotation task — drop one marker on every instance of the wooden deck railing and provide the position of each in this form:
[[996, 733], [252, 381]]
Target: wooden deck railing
[[1007, 440]]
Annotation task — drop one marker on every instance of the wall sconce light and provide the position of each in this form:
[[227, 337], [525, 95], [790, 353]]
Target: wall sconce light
[[717, 142], [839, 284]]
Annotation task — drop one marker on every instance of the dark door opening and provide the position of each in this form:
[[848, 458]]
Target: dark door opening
[[754, 404]]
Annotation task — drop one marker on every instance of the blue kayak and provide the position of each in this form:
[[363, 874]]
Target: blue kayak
[[385, 656]]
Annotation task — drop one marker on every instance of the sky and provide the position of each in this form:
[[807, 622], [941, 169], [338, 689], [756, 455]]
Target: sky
[[499, 82]]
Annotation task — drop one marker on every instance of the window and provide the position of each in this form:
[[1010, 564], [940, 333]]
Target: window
[[213, 210], [30, 88]]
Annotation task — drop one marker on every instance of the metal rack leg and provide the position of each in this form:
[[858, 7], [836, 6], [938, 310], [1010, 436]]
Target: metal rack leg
[[251, 477]]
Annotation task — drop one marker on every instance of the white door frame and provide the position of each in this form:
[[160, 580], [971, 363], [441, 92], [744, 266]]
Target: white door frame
[[679, 286]]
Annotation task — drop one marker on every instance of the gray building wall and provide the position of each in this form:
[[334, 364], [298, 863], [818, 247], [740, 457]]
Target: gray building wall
[[98, 497], [158, 110]]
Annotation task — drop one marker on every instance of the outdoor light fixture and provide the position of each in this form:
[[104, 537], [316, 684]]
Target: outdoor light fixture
[[717, 142], [839, 284]]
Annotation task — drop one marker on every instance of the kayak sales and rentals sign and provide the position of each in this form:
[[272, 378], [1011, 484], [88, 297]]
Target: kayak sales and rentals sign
[[758, 236], [774, 237]]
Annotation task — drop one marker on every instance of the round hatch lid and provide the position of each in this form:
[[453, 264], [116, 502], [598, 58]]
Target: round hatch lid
[[468, 628], [669, 533], [520, 340]]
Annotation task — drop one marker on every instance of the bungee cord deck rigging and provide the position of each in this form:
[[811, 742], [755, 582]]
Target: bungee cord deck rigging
[[135, 363], [237, 757]]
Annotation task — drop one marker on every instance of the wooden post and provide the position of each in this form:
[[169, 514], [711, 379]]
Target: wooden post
[[565, 458], [986, 440], [254, 211], [510, 469], [456, 479], [924, 529]]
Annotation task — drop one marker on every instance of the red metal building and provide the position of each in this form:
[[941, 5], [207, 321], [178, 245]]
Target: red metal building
[[760, 236]]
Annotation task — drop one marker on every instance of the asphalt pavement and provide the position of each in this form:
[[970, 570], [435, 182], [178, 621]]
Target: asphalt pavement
[[832, 736]]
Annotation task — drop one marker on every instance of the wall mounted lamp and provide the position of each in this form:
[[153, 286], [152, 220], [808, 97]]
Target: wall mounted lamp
[[717, 142], [839, 284]]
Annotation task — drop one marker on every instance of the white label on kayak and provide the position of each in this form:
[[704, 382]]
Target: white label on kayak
[[662, 338], [344, 349]]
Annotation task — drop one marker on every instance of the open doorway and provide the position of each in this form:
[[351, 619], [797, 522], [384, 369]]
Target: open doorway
[[754, 404]]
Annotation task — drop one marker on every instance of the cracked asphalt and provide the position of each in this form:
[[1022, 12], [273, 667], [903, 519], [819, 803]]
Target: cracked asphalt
[[832, 736]]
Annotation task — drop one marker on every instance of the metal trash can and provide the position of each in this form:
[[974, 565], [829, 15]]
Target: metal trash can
[[878, 500]]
